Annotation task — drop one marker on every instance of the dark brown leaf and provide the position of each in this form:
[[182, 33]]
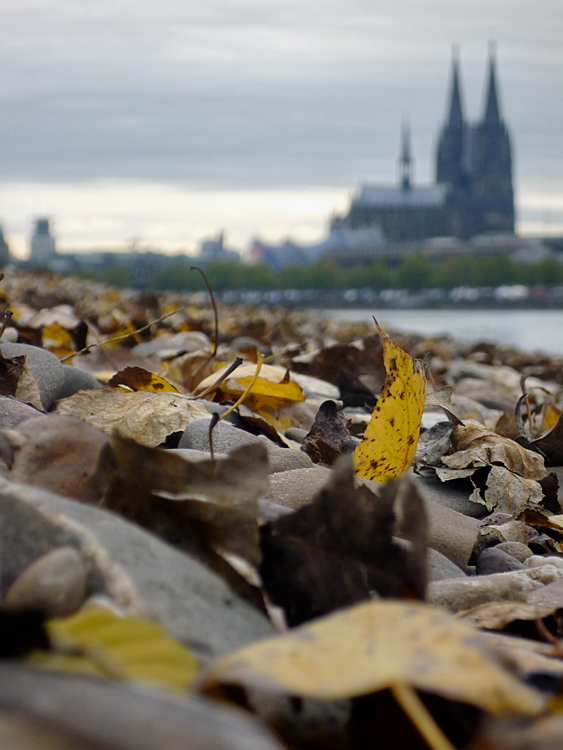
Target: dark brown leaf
[[328, 438]]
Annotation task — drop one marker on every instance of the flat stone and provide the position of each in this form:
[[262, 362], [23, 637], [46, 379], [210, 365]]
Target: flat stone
[[14, 412], [76, 379], [135, 568], [494, 560], [226, 438], [45, 368], [298, 487], [55, 584], [517, 549], [459, 594], [536, 561]]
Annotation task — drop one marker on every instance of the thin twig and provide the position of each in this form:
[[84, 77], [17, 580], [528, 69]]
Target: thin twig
[[260, 361], [542, 631], [124, 336], [7, 315], [208, 285], [212, 422], [220, 379]]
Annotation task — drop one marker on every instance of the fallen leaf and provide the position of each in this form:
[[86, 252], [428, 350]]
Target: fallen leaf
[[10, 373], [146, 417], [508, 492], [497, 615], [27, 389], [376, 645], [549, 445], [474, 446], [126, 648], [328, 438], [551, 416], [139, 379], [340, 549], [390, 440]]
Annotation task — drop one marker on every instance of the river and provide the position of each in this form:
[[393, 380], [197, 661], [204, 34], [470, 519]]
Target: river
[[529, 330]]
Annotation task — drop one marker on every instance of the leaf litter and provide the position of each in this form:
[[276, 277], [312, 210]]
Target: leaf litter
[[349, 568]]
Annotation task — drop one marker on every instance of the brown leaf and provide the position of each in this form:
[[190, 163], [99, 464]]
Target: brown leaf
[[27, 389], [497, 615], [58, 453], [508, 492], [340, 548], [328, 438], [549, 445], [10, 373], [475, 446], [139, 379], [148, 418]]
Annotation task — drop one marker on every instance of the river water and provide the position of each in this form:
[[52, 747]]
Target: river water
[[529, 330]]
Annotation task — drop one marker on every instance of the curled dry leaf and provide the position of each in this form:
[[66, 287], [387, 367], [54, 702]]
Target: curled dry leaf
[[148, 418], [139, 379], [474, 446], [376, 645], [391, 437], [497, 615], [328, 438], [508, 492]]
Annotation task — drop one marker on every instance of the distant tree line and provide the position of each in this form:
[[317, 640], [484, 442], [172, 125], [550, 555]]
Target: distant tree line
[[415, 272]]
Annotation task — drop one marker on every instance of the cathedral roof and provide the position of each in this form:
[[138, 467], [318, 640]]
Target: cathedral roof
[[414, 197]]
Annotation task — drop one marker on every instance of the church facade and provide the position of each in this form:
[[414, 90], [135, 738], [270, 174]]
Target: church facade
[[473, 192]]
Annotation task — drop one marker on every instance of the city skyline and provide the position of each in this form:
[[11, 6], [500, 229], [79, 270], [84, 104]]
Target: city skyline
[[169, 122]]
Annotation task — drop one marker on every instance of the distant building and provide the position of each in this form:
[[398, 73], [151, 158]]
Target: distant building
[[4, 250], [214, 250], [42, 243], [473, 191]]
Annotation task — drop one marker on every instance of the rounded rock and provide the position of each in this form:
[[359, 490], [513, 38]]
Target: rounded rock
[[76, 379], [492, 560], [55, 584], [44, 366], [518, 550]]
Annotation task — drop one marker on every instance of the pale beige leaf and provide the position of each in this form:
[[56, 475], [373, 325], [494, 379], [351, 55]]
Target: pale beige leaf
[[373, 646], [146, 417], [27, 389]]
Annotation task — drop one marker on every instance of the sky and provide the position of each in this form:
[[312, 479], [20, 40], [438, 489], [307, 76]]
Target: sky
[[165, 121]]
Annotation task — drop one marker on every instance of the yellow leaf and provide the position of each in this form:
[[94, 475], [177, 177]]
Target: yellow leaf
[[551, 416], [57, 340], [127, 648], [139, 379], [377, 645], [117, 337], [391, 437]]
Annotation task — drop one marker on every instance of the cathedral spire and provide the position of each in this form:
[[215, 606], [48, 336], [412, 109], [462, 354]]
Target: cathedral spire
[[405, 160], [492, 112], [455, 118]]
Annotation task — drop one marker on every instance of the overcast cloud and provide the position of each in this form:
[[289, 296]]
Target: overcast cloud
[[245, 95]]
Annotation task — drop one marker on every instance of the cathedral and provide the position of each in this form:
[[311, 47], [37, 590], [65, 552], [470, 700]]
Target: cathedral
[[473, 191]]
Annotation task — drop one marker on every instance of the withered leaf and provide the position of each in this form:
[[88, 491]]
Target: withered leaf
[[497, 615], [148, 418], [58, 453], [328, 438], [549, 445], [475, 446], [340, 549], [508, 492], [373, 646], [10, 373]]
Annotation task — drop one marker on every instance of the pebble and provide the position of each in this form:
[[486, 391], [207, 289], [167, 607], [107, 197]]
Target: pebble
[[460, 594], [442, 569], [55, 584], [76, 379], [517, 549], [494, 560], [537, 561], [45, 368], [453, 495], [226, 438]]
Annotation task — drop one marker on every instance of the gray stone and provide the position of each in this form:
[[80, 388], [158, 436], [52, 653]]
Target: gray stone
[[226, 438], [296, 488], [132, 566], [45, 368], [296, 433], [494, 560], [76, 379], [442, 569], [14, 412], [458, 594], [454, 495], [517, 549]]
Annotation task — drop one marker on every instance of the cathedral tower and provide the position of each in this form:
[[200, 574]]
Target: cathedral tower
[[450, 166]]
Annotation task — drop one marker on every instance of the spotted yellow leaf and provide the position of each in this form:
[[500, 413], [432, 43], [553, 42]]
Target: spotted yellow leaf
[[99, 642], [139, 379], [391, 437]]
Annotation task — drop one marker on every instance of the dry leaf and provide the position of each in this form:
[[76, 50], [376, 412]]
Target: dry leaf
[[474, 446], [508, 492], [27, 389], [126, 648], [139, 379], [340, 548], [391, 438], [376, 645], [146, 417], [497, 615], [328, 438]]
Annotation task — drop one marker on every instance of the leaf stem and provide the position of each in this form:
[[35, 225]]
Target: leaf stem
[[216, 315], [423, 720]]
